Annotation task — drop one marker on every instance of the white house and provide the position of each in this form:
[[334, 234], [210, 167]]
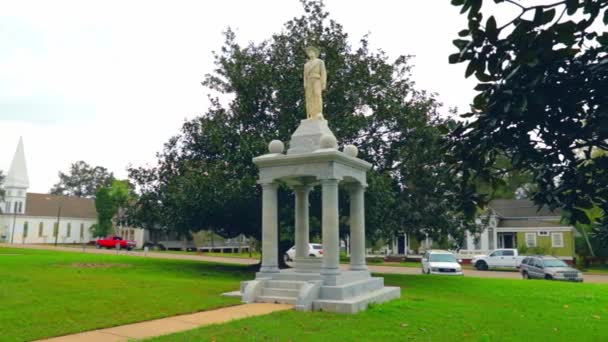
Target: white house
[[27, 217]]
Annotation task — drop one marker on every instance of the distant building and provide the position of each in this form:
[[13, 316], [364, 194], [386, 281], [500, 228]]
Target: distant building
[[510, 224], [520, 224], [27, 217]]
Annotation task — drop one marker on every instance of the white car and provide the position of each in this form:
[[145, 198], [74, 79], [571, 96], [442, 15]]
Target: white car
[[498, 258], [440, 262], [314, 250]]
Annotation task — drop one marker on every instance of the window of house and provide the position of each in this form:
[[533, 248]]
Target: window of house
[[8, 207], [69, 230], [40, 229], [20, 208], [531, 239], [557, 239], [55, 229], [15, 207], [82, 230], [25, 228]]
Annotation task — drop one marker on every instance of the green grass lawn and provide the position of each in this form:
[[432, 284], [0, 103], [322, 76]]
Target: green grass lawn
[[47, 293], [435, 308]]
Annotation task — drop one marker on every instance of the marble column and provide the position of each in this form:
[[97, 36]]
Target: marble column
[[302, 226], [331, 238], [357, 228], [270, 232]]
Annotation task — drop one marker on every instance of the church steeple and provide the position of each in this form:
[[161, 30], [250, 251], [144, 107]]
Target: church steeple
[[17, 174], [16, 183]]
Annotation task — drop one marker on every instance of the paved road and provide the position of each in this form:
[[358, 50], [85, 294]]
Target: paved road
[[589, 278]]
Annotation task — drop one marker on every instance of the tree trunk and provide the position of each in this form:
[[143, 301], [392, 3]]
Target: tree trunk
[[588, 242]]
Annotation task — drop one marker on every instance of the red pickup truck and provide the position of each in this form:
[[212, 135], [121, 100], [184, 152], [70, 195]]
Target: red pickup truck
[[112, 241]]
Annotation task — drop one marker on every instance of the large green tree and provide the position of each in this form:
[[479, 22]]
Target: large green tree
[[82, 180], [110, 204], [542, 101], [205, 177]]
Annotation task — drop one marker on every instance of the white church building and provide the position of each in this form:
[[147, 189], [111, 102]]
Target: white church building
[[27, 217]]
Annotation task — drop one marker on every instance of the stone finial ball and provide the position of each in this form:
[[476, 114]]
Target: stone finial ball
[[351, 150], [328, 141], [276, 146]]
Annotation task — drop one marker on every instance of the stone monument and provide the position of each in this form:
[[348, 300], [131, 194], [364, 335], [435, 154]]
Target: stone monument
[[313, 159]]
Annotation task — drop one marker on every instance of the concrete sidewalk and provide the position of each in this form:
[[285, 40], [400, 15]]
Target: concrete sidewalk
[[173, 324]]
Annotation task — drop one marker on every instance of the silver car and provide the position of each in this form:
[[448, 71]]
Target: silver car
[[548, 267]]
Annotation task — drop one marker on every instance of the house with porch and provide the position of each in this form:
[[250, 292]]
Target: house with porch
[[514, 223], [521, 224]]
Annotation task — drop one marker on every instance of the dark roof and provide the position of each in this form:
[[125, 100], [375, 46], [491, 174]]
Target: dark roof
[[48, 205], [520, 208]]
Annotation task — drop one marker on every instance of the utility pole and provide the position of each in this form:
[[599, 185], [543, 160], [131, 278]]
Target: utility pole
[[59, 205]]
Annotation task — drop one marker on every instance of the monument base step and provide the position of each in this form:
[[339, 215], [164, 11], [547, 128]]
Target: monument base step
[[279, 292], [276, 300], [344, 277], [352, 289], [285, 284], [236, 294], [359, 303]]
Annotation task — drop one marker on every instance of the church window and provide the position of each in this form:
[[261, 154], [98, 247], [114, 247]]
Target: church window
[[8, 207], [69, 230], [15, 207], [40, 229], [20, 211], [25, 228]]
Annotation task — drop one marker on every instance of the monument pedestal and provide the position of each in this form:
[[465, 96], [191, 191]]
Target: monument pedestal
[[315, 283], [352, 292]]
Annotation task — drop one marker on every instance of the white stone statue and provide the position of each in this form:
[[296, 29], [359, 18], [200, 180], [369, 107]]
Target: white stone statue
[[315, 81]]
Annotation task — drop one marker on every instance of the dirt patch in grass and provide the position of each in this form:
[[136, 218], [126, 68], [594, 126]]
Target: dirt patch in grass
[[97, 265]]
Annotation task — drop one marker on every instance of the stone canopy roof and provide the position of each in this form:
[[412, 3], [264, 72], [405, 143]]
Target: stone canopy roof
[[505, 208], [48, 205]]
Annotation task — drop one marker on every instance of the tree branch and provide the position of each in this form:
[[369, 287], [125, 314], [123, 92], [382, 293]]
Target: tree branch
[[524, 10]]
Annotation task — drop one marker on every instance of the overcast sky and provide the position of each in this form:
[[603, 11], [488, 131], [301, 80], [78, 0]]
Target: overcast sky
[[108, 82]]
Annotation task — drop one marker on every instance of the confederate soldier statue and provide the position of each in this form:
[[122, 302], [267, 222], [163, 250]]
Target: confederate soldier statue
[[315, 81]]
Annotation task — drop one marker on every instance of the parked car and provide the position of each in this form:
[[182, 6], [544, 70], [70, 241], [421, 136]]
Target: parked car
[[113, 241], [498, 258], [550, 268], [314, 250], [440, 262]]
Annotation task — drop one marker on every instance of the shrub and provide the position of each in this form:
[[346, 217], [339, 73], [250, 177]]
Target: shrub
[[375, 260]]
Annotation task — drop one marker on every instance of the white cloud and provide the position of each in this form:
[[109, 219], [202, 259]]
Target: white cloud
[[109, 82]]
